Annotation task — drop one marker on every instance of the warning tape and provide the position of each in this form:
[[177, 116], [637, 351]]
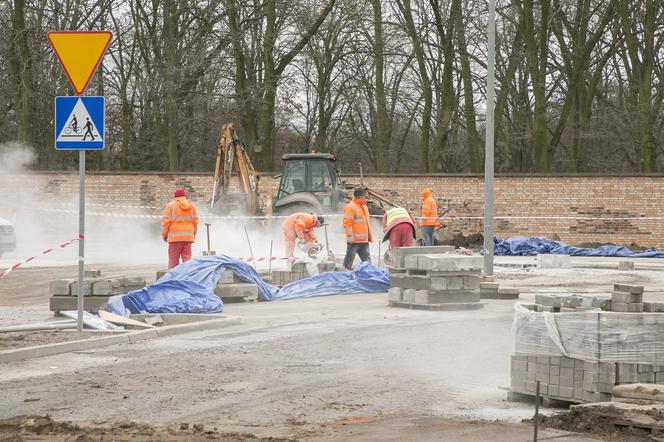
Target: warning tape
[[19, 264]]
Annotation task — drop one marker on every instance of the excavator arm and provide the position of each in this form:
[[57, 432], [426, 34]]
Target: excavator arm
[[232, 155]]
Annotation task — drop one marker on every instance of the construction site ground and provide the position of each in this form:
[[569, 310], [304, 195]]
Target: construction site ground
[[330, 368]]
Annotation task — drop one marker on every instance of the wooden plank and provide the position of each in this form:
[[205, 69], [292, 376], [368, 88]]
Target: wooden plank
[[121, 320]]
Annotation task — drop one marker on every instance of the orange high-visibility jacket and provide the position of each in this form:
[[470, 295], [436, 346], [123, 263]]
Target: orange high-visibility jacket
[[179, 221], [356, 222], [429, 209], [300, 223]]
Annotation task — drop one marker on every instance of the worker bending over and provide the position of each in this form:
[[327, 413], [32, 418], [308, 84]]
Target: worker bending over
[[178, 228], [398, 228], [429, 220], [356, 227], [301, 226]]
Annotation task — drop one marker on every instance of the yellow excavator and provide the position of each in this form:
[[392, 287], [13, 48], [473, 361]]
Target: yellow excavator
[[309, 182]]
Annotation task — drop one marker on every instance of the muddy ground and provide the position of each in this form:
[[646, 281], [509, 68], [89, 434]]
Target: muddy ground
[[334, 368]]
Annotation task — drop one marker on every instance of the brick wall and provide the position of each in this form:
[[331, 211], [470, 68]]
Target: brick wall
[[519, 196]]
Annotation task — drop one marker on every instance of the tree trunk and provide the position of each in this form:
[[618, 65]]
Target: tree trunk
[[24, 90], [381, 139]]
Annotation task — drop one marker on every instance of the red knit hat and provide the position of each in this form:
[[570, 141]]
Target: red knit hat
[[180, 192]]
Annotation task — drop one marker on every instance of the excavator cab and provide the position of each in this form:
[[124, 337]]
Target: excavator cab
[[309, 182]]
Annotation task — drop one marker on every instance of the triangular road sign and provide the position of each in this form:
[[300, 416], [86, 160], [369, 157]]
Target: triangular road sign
[[79, 53], [80, 126]]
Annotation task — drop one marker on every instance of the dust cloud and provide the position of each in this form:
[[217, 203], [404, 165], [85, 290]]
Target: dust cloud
[[123, 235]]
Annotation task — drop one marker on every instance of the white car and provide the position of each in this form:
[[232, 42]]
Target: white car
[[7, 236]]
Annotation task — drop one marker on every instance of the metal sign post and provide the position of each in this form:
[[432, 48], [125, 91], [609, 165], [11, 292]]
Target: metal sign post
[[79, 121], [488, 155], [81, 238]]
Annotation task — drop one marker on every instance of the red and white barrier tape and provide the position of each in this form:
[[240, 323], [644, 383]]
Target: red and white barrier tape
[[19, 264], [264, 258]]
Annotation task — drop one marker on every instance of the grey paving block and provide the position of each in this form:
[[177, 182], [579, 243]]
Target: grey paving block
[[445, 297], [401, 253], [455, 282], [444, 263], [241, 290], [160, 273], [471, 282], [626, 298], [628, 288], [409, 295], [61, 286], [92, 273], [489, 286], [228, 277], [87, 287], [553, 261], [418, 282], [625, 265], [395, 294], [653, 307], [90, 303]]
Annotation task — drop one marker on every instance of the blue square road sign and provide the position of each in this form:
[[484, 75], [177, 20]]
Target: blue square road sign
[[79, 123]]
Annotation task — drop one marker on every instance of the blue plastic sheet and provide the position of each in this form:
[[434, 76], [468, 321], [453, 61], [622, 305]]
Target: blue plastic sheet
[[365, 279], [522, 246], [189, 287]]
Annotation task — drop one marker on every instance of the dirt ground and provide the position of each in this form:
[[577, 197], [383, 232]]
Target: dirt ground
[[29, 339], [326, 369]]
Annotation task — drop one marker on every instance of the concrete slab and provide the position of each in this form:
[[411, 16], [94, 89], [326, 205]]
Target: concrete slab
[[60, 286], [242, 290], [445, 297], [452, 306], [553, 262], [65, 302]]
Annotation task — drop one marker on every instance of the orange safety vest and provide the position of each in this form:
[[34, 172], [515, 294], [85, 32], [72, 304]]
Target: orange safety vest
[[429, 209], [179, 221], [300, 223], [356, 222]]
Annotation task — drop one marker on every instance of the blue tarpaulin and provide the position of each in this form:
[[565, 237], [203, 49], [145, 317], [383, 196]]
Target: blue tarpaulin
[[522, 246], [189, 287]]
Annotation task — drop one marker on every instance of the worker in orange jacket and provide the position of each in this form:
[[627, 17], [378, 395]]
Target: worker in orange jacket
[[301, 226], [356, 227], [179, 224], [429, 220]]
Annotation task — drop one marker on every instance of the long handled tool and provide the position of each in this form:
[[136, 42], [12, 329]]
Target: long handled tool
[[207, 228]]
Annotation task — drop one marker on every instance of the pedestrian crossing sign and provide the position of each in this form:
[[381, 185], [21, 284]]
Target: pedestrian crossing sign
[[79, 123]]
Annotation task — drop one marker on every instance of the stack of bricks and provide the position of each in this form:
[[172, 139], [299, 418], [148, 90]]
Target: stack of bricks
[[96, 291], [437, 282], [627, 298], [562, 378], [552, 302], [232, 289]]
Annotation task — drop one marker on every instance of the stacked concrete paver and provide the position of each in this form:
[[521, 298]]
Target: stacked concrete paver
[[436, 281], [612, 332], [96, 291]]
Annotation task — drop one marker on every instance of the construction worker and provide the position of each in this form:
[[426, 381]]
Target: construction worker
[[356, 227], [301, 226], [429, 220], [399, 228], [178, 227]]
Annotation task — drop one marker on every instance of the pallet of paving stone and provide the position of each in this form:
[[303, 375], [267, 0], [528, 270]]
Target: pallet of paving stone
[[96, 286], [450, 306], [91, 304]]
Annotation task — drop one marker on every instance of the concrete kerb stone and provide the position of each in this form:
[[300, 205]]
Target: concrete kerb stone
[[19, 354]]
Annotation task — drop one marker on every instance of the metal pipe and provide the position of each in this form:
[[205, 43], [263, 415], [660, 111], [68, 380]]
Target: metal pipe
[[207, 228], [489, 144], [37, 327]]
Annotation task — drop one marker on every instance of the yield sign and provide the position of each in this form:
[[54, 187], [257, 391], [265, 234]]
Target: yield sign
[[79, 53]]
